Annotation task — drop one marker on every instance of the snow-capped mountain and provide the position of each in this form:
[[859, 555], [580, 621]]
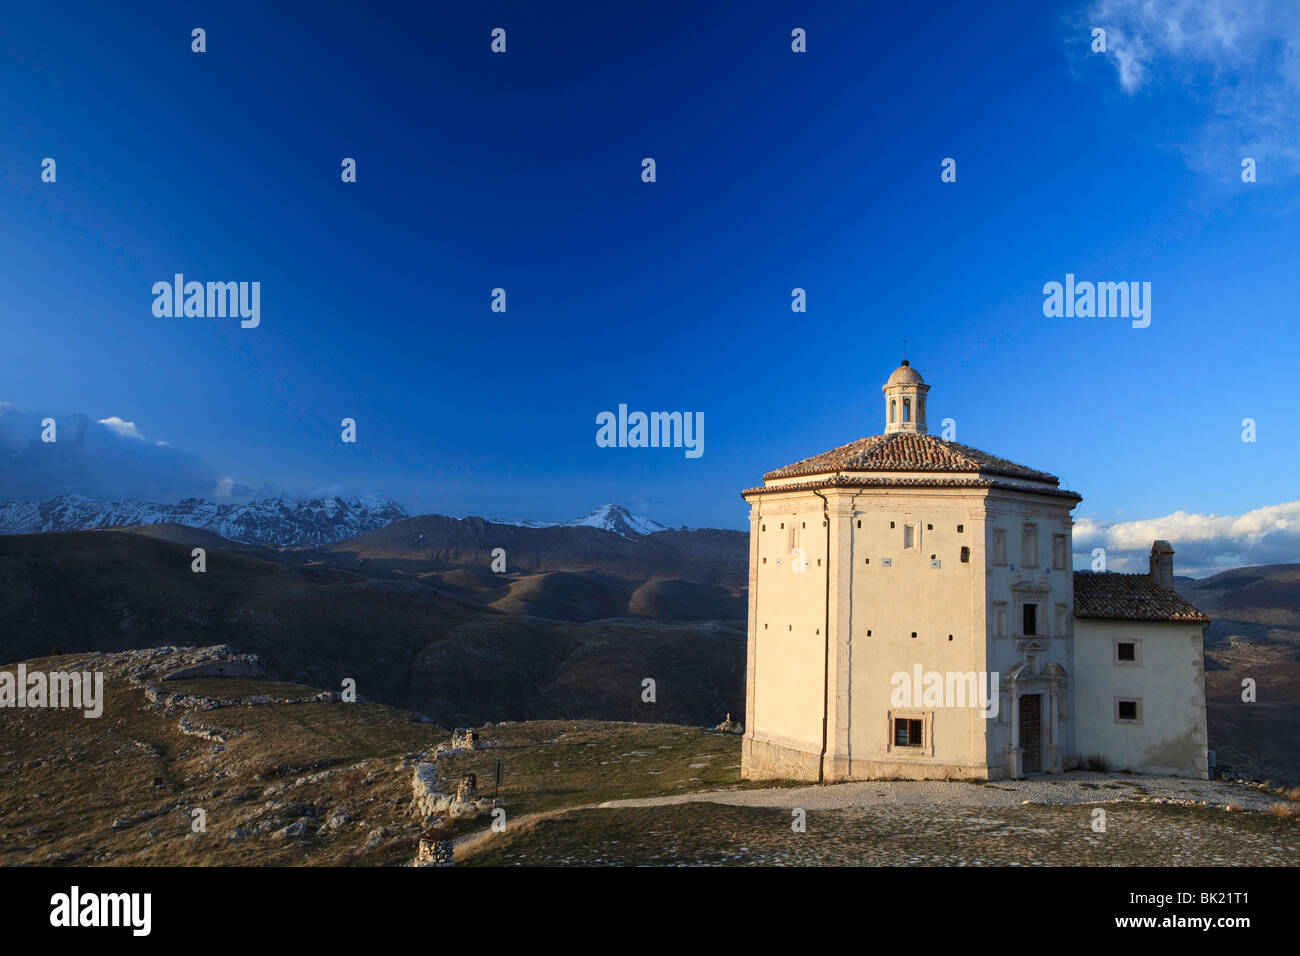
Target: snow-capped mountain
[[273, 522], [614, 518]]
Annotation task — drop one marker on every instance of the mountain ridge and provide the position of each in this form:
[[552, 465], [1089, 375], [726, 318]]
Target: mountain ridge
[[607, 517], [278, 522]]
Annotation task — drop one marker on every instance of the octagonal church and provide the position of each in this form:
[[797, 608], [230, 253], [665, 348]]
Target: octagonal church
[[913, 613]]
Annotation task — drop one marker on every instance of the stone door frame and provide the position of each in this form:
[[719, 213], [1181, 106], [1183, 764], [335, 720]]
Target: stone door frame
[[1018, 683]]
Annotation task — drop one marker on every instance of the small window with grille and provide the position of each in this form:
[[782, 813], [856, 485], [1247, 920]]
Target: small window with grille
[[908, 732]]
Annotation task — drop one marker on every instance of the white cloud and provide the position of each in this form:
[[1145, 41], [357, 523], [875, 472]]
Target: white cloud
[[1239, 58], [123, 428], [1204, 544]]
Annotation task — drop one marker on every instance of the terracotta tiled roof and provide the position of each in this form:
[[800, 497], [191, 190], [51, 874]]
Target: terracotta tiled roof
[[908, 451], [883, 481], [1130, 597]]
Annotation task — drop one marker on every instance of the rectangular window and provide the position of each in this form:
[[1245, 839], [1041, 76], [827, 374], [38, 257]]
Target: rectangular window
[[1128, 652], [1128, 711], [1029, 546], [909, 537], [965, 555], [1058, 552], [907, 732], [1029, 620], [999, 547]]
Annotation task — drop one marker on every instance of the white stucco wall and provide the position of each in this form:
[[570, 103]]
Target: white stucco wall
[[1012, 584], [787, 639], [895, 592], [1169, 679]]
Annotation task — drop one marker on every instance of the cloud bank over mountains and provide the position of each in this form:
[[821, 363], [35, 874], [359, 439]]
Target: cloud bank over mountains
[[106, 459], [1203, 543]]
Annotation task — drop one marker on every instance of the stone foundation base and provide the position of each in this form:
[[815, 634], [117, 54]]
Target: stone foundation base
[[840, 768], [764, 760]]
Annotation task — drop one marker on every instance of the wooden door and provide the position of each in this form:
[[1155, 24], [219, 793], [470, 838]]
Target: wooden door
[[1031, 732]]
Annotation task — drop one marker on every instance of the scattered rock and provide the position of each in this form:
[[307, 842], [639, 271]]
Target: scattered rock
[[294, 830], [731, 726], [337, 819], [462, 738]]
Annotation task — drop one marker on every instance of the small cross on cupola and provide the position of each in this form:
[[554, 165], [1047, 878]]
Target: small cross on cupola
[[905, 400]]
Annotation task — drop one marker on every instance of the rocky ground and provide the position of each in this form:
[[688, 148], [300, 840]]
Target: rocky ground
[[203, 758]]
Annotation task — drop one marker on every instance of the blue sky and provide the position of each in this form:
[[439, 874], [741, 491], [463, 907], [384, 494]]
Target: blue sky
[[775, 170]]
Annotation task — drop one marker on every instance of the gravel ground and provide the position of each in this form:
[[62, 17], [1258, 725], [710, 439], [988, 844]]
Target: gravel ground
[[1040, 821], [712, 834], [1065, 788]]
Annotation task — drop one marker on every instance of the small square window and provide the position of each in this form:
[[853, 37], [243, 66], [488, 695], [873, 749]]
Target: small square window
[[961, 528], [929, 527], [1126, 651], [908, 732], [1128, 710]]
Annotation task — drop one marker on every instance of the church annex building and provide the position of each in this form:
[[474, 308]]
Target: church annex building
[[913, 613]]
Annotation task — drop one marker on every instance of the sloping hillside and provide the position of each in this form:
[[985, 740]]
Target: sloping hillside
[[405, 640], [706, 556]]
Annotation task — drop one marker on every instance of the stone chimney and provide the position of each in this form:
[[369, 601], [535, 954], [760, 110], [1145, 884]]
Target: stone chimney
[[1162, 564]]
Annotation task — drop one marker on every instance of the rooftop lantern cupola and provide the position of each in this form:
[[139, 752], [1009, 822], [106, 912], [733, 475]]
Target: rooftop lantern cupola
[[905, 401]]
